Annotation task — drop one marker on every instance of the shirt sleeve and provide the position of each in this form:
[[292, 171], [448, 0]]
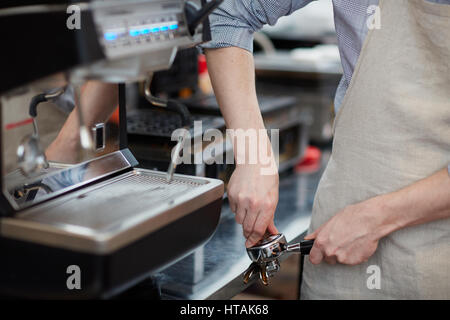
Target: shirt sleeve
[[235, 21]]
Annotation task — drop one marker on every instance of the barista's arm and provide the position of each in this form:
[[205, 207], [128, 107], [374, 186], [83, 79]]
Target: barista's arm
[[98, 100], [351, 237], [253, 195]]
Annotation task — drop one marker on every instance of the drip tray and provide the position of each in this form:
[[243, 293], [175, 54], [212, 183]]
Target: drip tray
[[117, 232], [107, 207], [107, 216]]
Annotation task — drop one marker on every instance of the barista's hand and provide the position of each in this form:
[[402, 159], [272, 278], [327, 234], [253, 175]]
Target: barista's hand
[[351, 236], [253, 198]]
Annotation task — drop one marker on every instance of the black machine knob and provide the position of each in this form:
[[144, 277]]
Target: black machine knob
[[195, 16]]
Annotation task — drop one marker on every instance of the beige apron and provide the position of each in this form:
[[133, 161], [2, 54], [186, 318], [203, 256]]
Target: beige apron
[[393, 129]]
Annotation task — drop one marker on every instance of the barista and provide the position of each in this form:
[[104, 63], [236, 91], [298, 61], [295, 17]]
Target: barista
[[384, 201]]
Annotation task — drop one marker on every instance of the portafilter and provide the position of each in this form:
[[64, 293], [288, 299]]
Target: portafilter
[[265, 255]]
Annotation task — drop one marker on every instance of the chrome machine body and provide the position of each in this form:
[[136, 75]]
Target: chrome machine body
[[117, 224]]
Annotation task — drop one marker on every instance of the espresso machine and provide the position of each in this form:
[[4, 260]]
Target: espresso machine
[[95, 225]]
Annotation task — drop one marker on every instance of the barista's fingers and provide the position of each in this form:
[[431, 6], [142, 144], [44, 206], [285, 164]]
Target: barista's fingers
[[272, 229], [237, 209], [330, 260], [262, 222], [240, 214], [249, 222], [253, 208], [233, 206], [316, 254], [232, 202], [313, 235]]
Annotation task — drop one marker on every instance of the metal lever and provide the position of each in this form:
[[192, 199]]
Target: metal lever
[[38, 99], [170, 105], [44, 97], [30, 155]]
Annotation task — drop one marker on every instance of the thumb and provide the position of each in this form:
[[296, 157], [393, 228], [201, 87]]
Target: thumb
[[313, 235], [272, 229]]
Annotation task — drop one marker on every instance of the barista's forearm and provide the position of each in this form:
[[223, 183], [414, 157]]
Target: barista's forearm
[[424, 201], [232, 74], [99, 100]]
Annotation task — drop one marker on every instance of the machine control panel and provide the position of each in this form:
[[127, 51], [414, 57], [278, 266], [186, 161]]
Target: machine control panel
[[146, 26]]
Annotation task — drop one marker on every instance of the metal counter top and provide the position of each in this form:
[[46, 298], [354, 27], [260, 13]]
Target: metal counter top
[[215, 271]]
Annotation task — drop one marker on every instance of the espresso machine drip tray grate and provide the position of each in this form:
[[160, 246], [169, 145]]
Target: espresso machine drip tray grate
[[108, 205], [108, 215]]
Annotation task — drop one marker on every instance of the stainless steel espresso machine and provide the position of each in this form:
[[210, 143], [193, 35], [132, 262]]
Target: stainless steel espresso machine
[[88, 223]]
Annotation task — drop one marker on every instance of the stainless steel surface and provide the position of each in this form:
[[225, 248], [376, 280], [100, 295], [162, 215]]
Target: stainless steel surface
[[106, 216], [23, 154], [224, 257], [30, 155], [62, 178], [295, 247]]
